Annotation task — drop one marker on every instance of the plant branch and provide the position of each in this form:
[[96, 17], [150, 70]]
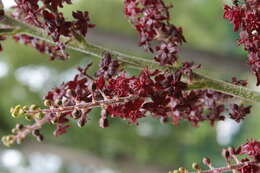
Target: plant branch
[[200, 81], [229, 167]]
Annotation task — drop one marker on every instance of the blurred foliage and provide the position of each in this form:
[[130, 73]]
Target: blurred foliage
[[165, 145]]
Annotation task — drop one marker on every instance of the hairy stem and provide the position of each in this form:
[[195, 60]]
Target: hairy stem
[[200, 81], [40, 122]]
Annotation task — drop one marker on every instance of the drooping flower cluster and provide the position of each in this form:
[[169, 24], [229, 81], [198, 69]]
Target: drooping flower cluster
[[43, 47], [152, 21], [163, 95], [45, 14], [249, 163], [246, 18]]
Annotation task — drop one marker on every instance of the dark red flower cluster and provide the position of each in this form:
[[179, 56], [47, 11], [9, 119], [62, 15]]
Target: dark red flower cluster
[[243, 159], [163, 95], [252, 150], [2, 37], [45, 14], [246, 18], [43, 47], [151, 19]]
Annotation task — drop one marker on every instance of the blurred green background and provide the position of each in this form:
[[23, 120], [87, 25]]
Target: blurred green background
[[26, 76]]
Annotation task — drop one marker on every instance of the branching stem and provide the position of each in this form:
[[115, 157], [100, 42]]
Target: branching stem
[[200, 81]]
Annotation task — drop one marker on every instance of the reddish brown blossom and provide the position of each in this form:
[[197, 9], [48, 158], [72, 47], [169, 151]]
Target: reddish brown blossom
[[46, 15], [246, 18], [151, 20]]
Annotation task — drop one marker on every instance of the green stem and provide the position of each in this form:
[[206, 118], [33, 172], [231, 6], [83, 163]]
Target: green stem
[[200, 81]]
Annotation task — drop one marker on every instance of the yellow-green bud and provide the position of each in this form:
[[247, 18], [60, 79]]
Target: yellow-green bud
[[182, 170], [58, 102], [19, 140], [14, 131], [39, 115], [29, 117], [16, 111], [195, 166], [34, 107], [8, 140], [47, 103]]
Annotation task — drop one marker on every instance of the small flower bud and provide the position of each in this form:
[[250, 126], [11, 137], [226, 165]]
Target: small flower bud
[[19, 126], [206, 161], [226, 154], [47, 103], [82, 121], [14, 130], [34, 107], [58, 102], [29, 117], [103, 122], [40, 138], [238, 150], [25, 108], [70, 93], [94, 87], [16, 111], [182, 170], [163, 120], [104, 113], [8, 140], [195, 166], [39, 115], [76, 114], [231, 150], [19, 140], [36, 132]]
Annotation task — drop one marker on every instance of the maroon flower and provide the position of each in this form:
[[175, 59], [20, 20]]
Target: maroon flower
[[151, 20], [82, 22], [252, 149], [246, 18]]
